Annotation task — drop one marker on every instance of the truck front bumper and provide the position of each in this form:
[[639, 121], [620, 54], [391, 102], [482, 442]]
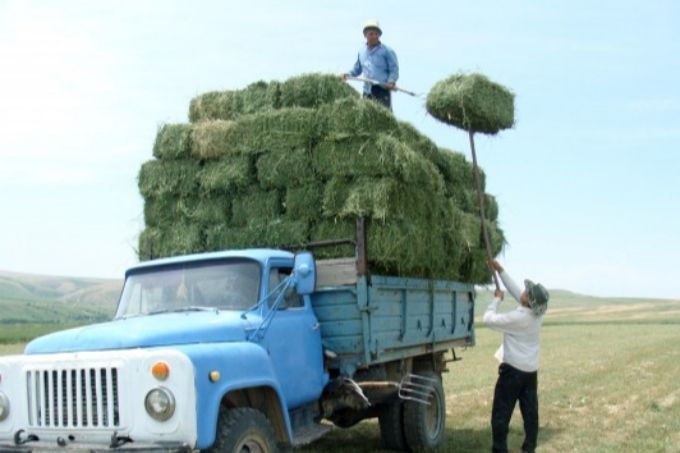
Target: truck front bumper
[[45, 447]]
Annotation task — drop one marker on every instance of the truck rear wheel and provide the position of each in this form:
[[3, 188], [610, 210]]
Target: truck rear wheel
[[244, 430], [424, 425], [391, 418]]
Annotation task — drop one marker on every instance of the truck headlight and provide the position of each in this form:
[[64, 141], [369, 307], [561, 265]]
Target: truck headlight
[[4, 406], [160, 404]]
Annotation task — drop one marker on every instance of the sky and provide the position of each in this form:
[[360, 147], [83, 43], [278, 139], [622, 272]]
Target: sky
[[587, 181]]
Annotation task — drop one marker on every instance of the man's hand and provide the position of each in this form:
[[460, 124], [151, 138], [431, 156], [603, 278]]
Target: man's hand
[[391, 85], [495, 266], [499, 294]]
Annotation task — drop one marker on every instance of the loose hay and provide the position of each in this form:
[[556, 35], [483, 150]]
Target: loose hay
[[472, 102]]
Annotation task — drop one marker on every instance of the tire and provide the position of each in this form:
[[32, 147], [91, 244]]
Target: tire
[[424, 425], [391, 420], [244, 430]]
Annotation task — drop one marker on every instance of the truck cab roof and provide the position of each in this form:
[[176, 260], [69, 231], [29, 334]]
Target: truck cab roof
[[262, 255]]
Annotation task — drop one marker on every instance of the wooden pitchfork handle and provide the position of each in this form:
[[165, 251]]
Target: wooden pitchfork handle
[[482, 216]]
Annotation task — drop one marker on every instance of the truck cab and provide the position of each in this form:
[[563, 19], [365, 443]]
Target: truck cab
[[192, 337]]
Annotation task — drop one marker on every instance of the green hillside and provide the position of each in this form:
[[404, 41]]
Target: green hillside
[[37, 299]]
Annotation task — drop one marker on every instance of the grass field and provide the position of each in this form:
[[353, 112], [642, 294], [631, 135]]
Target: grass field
[[609, 381]]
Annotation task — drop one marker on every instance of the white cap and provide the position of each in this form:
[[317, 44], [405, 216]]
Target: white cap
[[373, 23]]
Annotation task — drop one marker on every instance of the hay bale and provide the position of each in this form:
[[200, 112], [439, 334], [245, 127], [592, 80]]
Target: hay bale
[[378, 198], [173, 141], [491, 207], [285, 169], [229, 105], [209, 211], [256, 206], [377, 156], [335, 193], [167, 210], [307, 90], [333, 229], [304, 202], [267, 131], [278, 130], [227, 175], [275, 233], [472, 102], [418, 142], [475, 269], [170, 240], [394, 247], [356, 117], [214, 139], [313, 90], [455, 169], [160, 211], [158, 178]]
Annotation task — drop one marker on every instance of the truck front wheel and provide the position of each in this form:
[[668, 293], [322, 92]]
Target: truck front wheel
[[244, 430], [424, 424]]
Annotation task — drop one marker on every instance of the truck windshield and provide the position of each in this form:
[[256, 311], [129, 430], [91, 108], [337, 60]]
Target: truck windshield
[[212, 285]]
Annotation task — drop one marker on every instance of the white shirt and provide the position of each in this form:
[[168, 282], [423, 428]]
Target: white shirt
[[521, 342]]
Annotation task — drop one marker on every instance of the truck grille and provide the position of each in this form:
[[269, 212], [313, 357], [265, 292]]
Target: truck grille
[[73, 398]]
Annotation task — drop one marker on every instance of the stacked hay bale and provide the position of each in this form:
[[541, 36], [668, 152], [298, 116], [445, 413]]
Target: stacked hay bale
[[286, 163]]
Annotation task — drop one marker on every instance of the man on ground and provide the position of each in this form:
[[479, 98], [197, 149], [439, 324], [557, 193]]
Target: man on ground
[[518, 371]]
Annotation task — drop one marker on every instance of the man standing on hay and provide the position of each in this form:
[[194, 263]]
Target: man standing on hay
[[518, 371], [376, 62]]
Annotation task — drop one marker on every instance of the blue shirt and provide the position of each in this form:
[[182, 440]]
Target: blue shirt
[[379, 63]]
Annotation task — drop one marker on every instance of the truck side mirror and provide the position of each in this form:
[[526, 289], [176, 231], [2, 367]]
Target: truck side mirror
[[304, 270]]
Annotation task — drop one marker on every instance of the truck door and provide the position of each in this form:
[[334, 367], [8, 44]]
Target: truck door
[[294, 344]]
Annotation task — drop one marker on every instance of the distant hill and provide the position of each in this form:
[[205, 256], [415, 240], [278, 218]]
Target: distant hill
[[38, 299], [568, 306]]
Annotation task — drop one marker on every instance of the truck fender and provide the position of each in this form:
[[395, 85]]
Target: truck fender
[[242, 366]]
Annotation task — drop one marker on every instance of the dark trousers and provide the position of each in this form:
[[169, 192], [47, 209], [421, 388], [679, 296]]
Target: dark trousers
[[380, 94], [513, 385]]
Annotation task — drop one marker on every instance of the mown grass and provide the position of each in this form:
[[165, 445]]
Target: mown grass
[[604, 384]]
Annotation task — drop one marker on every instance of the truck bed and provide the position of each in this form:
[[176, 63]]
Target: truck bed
[[367, 320]]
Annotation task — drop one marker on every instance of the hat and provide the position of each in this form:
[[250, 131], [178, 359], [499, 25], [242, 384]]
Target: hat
[[538, 297], [372, 24]]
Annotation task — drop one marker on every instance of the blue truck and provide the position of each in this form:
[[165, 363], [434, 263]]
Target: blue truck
[[255, 350]]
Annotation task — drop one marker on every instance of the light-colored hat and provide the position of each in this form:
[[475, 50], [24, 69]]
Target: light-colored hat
[[538, 297], [373, 23]]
